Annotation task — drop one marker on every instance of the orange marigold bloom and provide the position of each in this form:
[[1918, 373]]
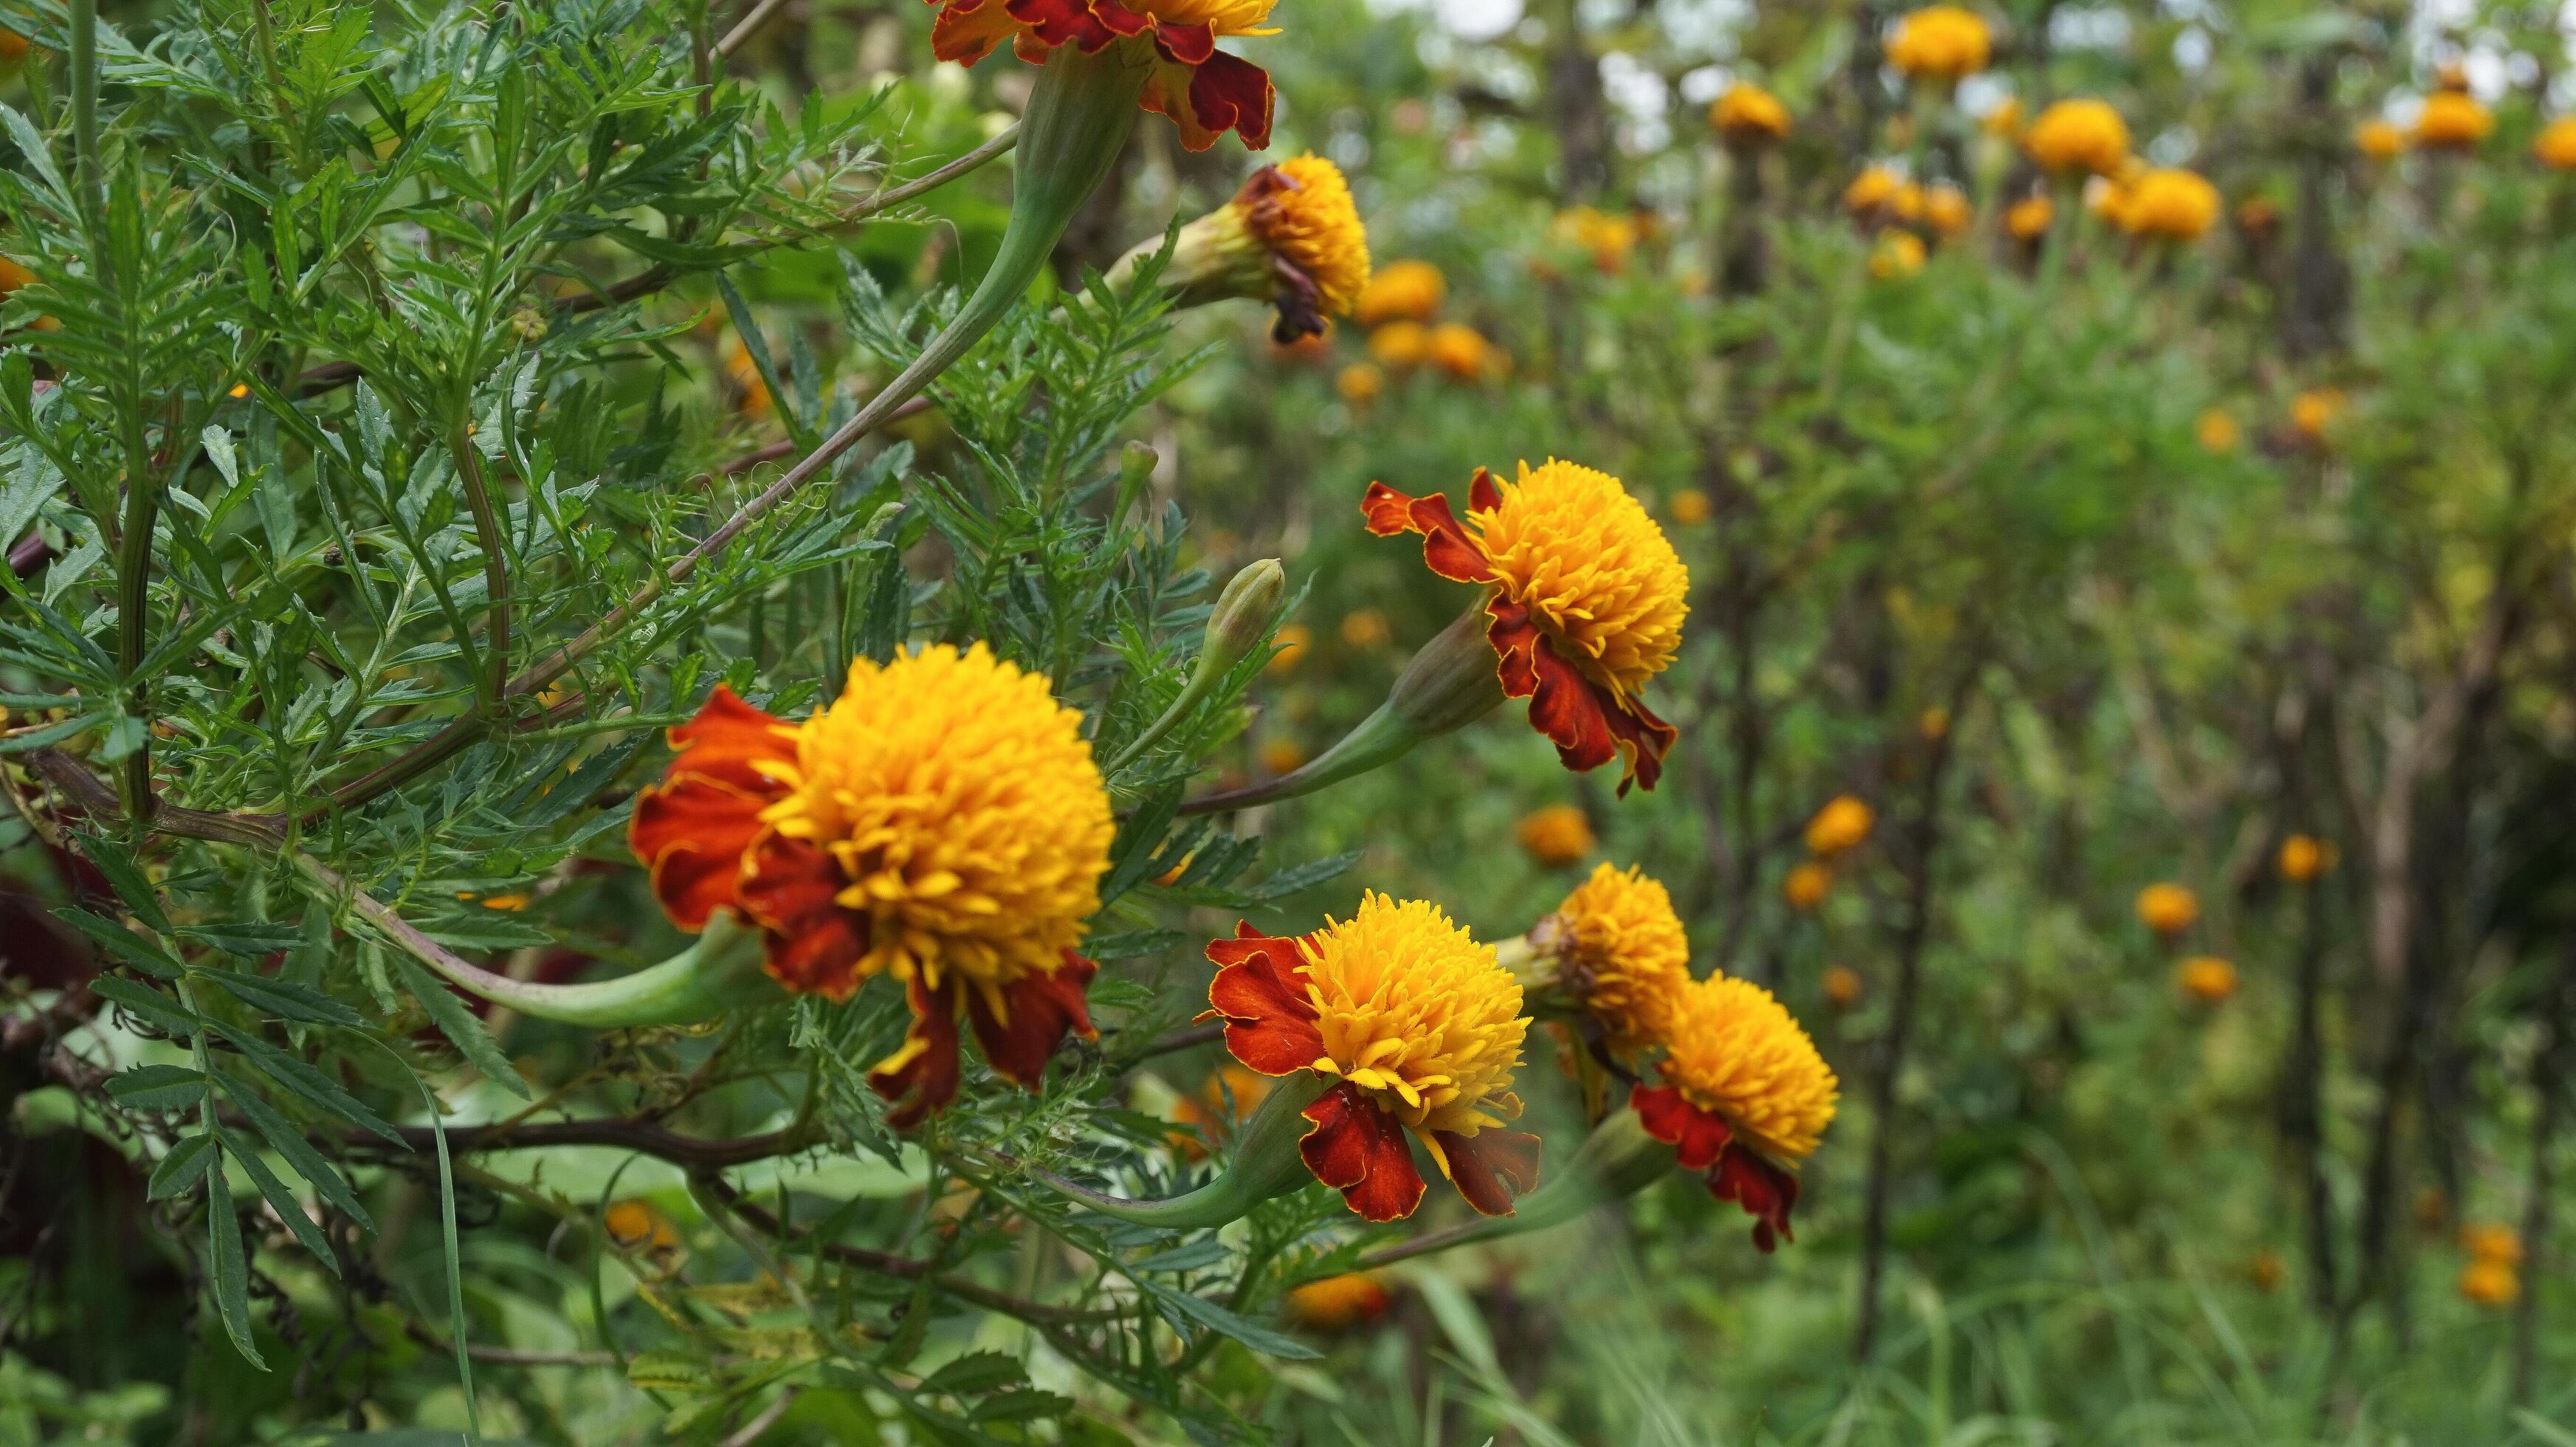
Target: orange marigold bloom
[[1399, 346], [2490, 1283], [1872, 191], [1940, 42], [2171, 205], [1745, 1097], [1337, 1303], [2028, 219], [1843, 987], [2452, 121], [2492, 1241], [2168, 909], [1839, 827], [2315, 410], [1291, 237], [1292, 640], [1620, 951], [1609, 238], [2217, 431], [2303, 857], [1459, 350], [1555, 836], [1689, 507], [1406, 291], [1806, 886], [1418, 1028], [2078, 137], [1585, 594], [1205, 91], [1947, 210], [2378, 140], [635, 1226], [1360, 382], [2206, 978], [2555, 146], [1748, 113], [2004, 121], [941, 822]]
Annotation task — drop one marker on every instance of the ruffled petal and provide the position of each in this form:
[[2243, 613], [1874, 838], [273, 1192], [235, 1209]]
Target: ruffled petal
[[1445, 543], [1205, 99], [1360, 1151], [1260, 993], [1764, 1190], [693, 830], [921, 1075], [1695, 1135], [1490, 1167], [813, 945], [1042, 1010], [1063, 22], [1589, 724]]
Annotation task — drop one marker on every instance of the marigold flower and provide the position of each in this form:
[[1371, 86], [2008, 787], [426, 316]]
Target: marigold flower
[[1897, 255], [1418, 1028], [2267, 1271], [1618, 948], [2078, 137], [2304, 857], [1360, 382], [2168, 909], [1839, 827], [941, 822], [2492, 1241], [1402, 291], [1281, 756], [2028, 218], [2206, 978], [2217, 431], [1585, 596], [2490, 1283], [1871, 192], [2378, 140], [1689, 507], [635, 1226], [1400, 346], [2555, 146], [2452, 121], [1745, 1096], [1947, 210], [1609, 238], [2004, 121], [1205, 91], [1459, 350], [1843, 987], [1748, 114], [1940, 43], [2314, 411], [1337, 1303], [2171, 205], [1292, 640], [1555, 836], [1806, 885], [1291, 236]]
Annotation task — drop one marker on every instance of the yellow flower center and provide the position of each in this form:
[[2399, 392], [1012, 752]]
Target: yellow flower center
[[1314, 226], [1737, 1053], [962, 805], [1416, 1013], [1622, 949], [1596, 573]]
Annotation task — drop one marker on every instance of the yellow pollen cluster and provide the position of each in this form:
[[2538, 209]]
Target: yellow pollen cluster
[[1940, 42], [1596, 573], [1416, 1013], [1736, 1052], [961, 802], [1316, 228], [1623, 949]]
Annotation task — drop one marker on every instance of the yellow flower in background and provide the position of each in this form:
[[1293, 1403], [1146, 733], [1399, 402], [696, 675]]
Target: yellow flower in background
[[2217, 432], [2490, 1283], [1842, 986], [2168, 908], [2492, 1241], [2304, 857], [2378, 140], [1940, 43], [1747, 113], [1688, 507], [1409, 291], [2171, 205], [1399, 346], [2555, 146], [635, 1226], [1806, 886], [1907, 204], [2316, 410], [2078, 137], [1360, 382], [2004, 121], [742, 375], [2028, 218], [1366, 628], [1281, 756], [1609, 238], [1555, 836], [1872, 191], [2452, 121], [1337, 1303], [1897, 254], [1947, 210], [1293, 640], [1933, 723], [1459, 350], [1619, 950], [1840, 827], [2206, 978]]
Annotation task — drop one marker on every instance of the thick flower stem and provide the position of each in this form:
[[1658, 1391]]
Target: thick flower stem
[[1265, 1164]]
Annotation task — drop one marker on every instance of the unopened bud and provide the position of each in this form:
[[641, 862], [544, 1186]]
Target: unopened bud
[[1243, 615], [1135, 468]]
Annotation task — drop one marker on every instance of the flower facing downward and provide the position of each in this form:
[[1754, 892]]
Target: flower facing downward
[[2168, 909], [1205, 91], [1749, 115], [941, 822], [1418, 1029], [1745, 1097], [1291, 237], [2452, 121], [1585, 594], [1940, 43], [1620, 951], [2078, 137]]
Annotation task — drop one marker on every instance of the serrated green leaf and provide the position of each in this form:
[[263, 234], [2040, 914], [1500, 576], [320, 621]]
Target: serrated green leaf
[[126, 878], [123, 943], [1225, 1323], [287, 1141], [178, 1172], [317, 1089], [463, 1029], [231, 1281], [158, 1087], [171, 1017], [974, 1374]]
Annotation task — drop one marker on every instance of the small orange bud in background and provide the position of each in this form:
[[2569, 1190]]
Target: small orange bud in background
[[2378, 140], [1366, 628], [2555, 146], [1408, 291], [2452, 121], [1872, 191], [1556, 836], [634, 1225], [1933, 724], [2168, 909], [1460, 350], [2303, 857], [1839, 827], [1806, 886], [2028, 218], [1293, 640], [2316, 410], [2490, 1283], [1359, 383], [1337, 1303], [2217, 432], [1842, 987], [2207, 979]]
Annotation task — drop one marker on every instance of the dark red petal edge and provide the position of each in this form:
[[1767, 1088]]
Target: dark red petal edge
[[1360, 1151]]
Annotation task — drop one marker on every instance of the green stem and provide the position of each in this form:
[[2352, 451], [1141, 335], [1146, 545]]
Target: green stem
[[488, 682], [1380, 739], [1265, 1164], [720, 971]]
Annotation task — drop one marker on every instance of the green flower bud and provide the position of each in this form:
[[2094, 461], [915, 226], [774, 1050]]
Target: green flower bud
[[1242, 618]]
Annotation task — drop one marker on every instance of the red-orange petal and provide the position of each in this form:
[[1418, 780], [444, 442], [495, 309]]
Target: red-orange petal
[[1445, 544], [814, 945], [1360, 1151], [967, 30], [1208, 98], [1695, 1135], [693, 830], [1043, 1010], [1588, 723], [1764, 1190], [1260, 993], [922, 1076], [1491, 1167], [1062, 22]]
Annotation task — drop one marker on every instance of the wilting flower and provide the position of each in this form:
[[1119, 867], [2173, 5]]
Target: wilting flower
[[1586, 598], [2555, 146], [2078, 137], [2492, 1241], [2490, 1283], [2452, 121], [1617, 949], [1940, 43], [2217, 431], [941, 822], [1555, 836], [2170, 204], [1871, 192], [1806, 885], [1745, 1097], [1839, 827], [1360, 382], [1842, 985], [2206, 978], [2314, 411], [2167, 908], [2378, 140], [1747, 114], [1897, 254], [1418, 1029], [1290, 236], [2027, 219], [1459, 350], [1406, 291], [1337, 1303], [1946, 210], [1204, 90], [2303, 857]]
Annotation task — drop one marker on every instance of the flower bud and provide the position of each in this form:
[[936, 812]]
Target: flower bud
[[1242, 617]]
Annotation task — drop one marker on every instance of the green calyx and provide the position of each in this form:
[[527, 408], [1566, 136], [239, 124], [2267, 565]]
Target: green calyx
[[1265, 1164], [719, 972]]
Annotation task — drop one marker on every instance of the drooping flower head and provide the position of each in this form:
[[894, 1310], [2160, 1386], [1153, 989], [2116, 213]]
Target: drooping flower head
[[1402, 291], [2168, 908], [1417, 1027], [1940, 43], [1291, 236], [1749, 115], [1585, 596], [2078, 137], [2452, 121], [2170, 204], [1204, 90], [1619, 950], [941, 822], [1745, 1097]]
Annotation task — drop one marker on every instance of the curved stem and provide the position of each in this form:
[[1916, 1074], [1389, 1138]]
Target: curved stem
[[1265, 1163], [1380, 739]]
